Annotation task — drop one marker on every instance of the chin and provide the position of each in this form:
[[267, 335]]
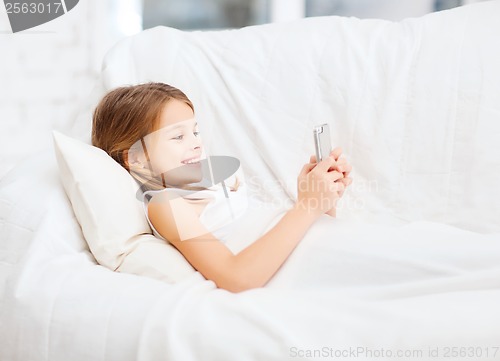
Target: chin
[[183, 175], [195, 175]]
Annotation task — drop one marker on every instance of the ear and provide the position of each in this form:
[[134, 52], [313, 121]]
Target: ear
[[132, 159]]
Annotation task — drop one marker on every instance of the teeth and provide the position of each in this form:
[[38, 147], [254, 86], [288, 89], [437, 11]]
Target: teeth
[[192, 161]]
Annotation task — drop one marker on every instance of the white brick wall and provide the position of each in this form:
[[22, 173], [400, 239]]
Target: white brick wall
[[46, 73]]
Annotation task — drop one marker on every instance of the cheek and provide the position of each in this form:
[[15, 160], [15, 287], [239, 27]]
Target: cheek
[[166, 157]]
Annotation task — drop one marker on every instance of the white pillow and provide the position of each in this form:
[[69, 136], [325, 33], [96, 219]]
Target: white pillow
[[103, 197]]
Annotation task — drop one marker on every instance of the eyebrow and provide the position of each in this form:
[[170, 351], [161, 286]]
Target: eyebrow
[[178, 126]]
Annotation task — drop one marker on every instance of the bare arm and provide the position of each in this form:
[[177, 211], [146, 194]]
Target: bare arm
[[255, 265], [252, 267]]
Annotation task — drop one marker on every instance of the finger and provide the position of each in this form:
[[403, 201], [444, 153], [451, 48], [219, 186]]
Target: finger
[[341, 167], [325, 164], [343, 180], [335, 153], [341, 161], [346, 181], [346, 168], [334, 176], [306, 168], [339, 186], [312, 159]]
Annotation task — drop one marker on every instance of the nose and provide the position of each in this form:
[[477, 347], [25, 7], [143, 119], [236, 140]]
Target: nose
[[195, 141]]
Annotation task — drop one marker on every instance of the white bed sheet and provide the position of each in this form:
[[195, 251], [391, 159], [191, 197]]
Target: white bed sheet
[[370, 288]]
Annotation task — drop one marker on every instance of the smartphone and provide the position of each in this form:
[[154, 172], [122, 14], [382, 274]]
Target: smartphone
[[322, 141]]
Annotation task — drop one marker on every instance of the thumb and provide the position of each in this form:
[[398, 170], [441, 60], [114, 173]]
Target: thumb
[[336, 153], [325, 164], [307, 168]]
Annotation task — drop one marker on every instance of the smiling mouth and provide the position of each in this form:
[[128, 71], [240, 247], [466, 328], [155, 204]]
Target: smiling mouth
[[191, 161]]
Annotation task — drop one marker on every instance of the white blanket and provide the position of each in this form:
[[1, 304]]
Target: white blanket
[[347, 287], [410, 266]]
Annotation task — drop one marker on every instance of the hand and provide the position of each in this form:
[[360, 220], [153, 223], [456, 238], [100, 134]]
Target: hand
[[318, 189], [341, 165]]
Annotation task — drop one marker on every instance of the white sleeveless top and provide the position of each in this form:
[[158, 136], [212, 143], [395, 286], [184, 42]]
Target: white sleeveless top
[[218, 213], [237, 220]]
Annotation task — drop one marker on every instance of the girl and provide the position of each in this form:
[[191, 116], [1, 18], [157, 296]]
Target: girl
[[150, 130]]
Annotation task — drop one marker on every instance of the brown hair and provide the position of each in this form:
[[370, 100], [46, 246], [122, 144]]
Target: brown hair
[[128, 114]]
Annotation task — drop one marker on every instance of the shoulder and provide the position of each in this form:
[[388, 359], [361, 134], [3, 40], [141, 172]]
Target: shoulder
[[174, 218]]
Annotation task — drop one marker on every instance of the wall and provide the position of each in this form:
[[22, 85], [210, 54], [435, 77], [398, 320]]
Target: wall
[[384, 9], [46, 72]]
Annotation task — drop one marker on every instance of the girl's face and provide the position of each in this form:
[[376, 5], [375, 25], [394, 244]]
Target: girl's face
[[176, 142]]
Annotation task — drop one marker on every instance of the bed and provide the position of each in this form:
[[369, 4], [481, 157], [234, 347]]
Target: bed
[[409, 269]]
